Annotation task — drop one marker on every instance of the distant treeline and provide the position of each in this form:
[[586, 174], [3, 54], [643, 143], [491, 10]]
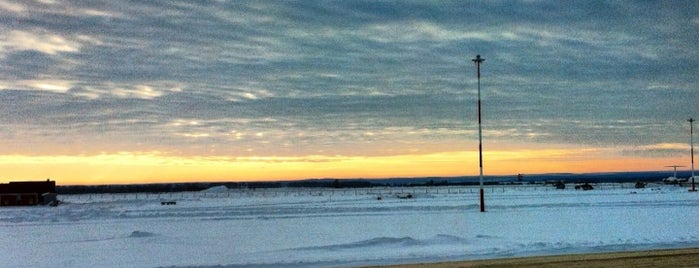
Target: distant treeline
[[190, 187], [199, 186], [362, 183]]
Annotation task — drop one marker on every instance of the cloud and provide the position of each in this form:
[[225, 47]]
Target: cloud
[[347, 78], [659, 150], [43, 42], [420, 31]]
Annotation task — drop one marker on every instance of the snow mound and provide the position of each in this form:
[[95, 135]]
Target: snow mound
[[378, 242], [139, 234], [448, 239], [216, 189], [383, 242]]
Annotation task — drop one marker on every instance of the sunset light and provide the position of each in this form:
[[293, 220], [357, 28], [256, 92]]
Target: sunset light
[[156, 167], [122, 92]]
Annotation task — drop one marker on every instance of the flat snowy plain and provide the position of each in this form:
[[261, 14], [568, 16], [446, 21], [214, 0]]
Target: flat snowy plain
[[344, 227]]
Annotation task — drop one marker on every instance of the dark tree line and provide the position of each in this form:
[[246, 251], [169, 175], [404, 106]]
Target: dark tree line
[[191, 187], [363, 183]]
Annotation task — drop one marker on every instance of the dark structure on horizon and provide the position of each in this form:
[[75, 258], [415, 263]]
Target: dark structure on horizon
[[28, 193]]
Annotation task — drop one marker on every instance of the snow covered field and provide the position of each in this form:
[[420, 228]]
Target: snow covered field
[[343, 227]]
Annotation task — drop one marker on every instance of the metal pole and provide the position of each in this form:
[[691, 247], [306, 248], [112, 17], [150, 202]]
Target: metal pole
[[691, 142], [478, 61]]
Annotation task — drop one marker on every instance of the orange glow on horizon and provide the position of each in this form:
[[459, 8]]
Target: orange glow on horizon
[[156, 167]]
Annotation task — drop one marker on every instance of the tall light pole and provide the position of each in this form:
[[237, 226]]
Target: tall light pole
[[478, 61], [691, 145]]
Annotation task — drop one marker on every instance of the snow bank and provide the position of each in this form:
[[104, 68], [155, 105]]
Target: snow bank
[[216, 189], [140, 234]]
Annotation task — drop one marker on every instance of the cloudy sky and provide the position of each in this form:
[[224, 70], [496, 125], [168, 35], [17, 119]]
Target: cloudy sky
[[134, 91]]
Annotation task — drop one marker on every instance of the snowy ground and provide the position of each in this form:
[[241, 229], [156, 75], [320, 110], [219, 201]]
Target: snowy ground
[[344, 227]]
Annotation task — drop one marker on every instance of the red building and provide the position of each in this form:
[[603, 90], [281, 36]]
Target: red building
[[28, 193]]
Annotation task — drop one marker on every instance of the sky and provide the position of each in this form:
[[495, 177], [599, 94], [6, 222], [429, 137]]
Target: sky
[[97, 92]]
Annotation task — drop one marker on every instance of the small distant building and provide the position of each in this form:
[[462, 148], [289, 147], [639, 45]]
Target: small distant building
[[560, 185], [585, 187], [640, 185], [28, 193]]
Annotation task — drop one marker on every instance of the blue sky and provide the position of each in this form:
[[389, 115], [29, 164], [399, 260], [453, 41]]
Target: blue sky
[[350, 78]]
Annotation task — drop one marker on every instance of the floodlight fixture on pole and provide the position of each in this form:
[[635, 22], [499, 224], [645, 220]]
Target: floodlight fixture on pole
[[691, 145], [674, 175], [478, 61]]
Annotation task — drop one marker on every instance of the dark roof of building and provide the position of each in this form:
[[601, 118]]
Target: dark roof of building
[[39, 187]]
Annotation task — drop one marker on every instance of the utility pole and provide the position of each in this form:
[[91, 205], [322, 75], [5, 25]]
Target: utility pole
[[478, 61], [691, 145]]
